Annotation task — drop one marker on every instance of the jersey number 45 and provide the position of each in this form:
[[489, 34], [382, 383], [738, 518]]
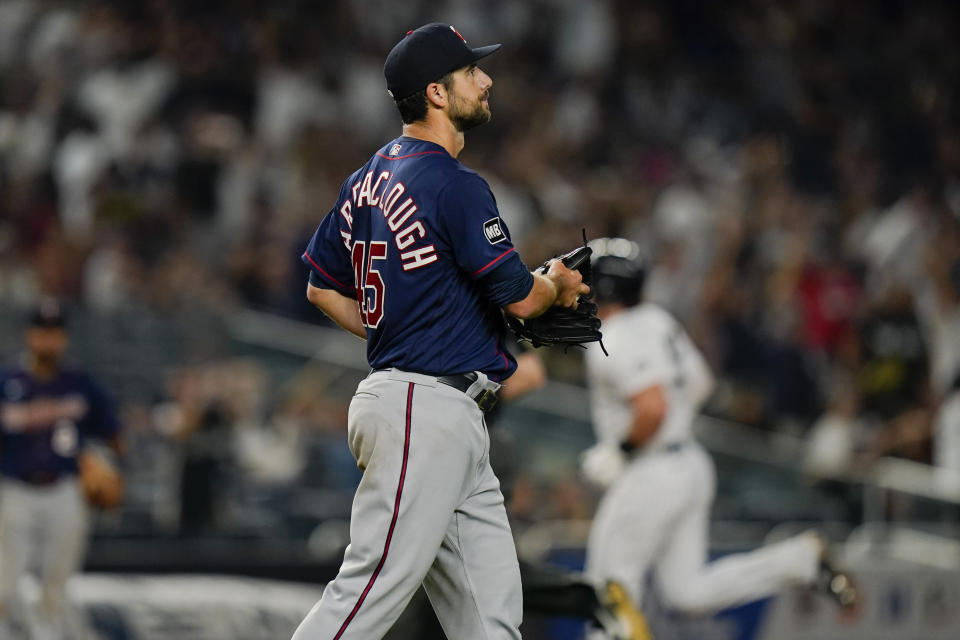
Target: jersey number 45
[[368, 283]]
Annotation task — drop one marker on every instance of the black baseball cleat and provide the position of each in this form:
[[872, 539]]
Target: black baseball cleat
[[837, 584], [617, 616]]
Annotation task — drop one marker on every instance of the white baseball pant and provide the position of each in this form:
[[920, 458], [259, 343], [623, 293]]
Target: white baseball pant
[[428, 510], [656, 517]]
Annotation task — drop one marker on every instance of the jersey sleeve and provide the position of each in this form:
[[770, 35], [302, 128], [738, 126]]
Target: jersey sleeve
[[101, 420], [509, 282], [4, 378], [638, 364], [327, 254], [700, 381], [480, 239]]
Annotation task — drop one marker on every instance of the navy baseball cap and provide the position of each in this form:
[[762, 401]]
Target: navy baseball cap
[[427, 54], [48, 314]]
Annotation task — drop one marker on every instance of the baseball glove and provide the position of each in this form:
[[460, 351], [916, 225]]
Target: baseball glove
[[101, 482], [563, 325]]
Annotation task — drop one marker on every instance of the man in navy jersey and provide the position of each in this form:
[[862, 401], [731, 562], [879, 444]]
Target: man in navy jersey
[[414, 258], [48, 412]]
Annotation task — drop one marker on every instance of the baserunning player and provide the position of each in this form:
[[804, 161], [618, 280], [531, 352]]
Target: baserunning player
[[654, 517], [414, 258]]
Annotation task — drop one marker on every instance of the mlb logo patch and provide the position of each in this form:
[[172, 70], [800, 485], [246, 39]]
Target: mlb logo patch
[[395, 150], [493, 232]]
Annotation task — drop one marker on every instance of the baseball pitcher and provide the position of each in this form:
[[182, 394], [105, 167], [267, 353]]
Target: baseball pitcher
[[415, 259]]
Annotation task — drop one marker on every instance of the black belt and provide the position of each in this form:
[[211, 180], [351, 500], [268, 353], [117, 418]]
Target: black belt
[[39, 479], [485, 398], [670, 447]]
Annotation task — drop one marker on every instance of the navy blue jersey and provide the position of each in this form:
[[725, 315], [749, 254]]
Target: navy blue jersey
[[44, 423], [415, 237]]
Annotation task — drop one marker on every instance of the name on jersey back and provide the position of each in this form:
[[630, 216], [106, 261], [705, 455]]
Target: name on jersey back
[[368, 192]]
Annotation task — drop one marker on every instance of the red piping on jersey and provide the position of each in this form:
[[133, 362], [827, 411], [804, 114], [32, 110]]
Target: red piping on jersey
[[320, 269], [393, 522], [409, 155], [494, 261]]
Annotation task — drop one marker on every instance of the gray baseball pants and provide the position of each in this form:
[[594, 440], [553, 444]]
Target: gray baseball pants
[[428, 510], [42, 528]]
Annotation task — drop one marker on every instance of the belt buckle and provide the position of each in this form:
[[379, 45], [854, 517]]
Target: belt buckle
[[486, 400]]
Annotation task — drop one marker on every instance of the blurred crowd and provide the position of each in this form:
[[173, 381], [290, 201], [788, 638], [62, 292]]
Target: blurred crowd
[[792, 170]]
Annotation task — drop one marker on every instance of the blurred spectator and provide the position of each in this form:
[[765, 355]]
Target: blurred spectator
[[938, 306], [894, 378], [830, 298], [893, 371], [204, 474], [208, 406], [946, 431], [835, 436]]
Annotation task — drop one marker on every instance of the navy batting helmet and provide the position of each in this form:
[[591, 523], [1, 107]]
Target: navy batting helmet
[[619, 269]]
